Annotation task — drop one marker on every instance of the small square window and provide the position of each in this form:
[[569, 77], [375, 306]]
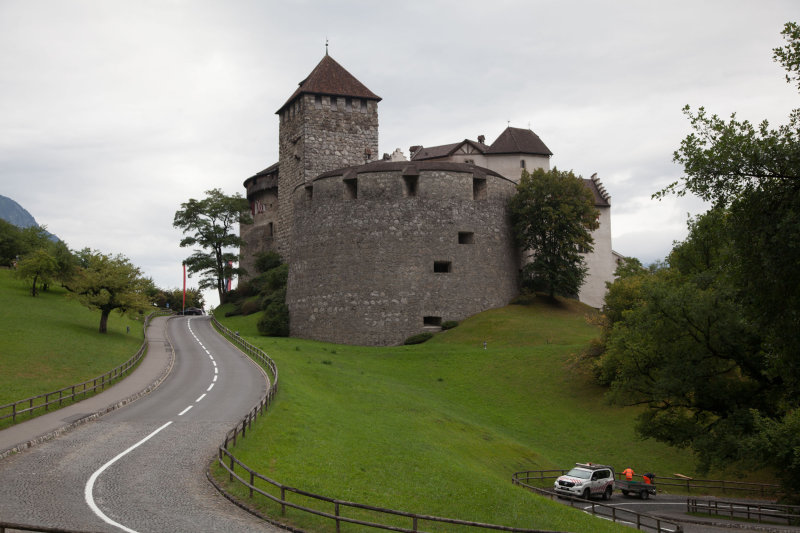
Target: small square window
[[309, 193], [521, 163], [466, 237], [442, 267], [432, 321]]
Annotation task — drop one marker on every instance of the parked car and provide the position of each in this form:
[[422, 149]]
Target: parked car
[[586, 480]]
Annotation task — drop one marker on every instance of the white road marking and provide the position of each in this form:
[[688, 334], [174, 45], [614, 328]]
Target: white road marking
[[210, 387], [215, 378], [200, 398], [184, 411], [87, 492]]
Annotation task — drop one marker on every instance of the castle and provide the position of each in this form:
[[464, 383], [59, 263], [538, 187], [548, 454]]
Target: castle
[[383, 248]]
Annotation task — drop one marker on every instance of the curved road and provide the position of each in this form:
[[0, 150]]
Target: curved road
[[142, 468]]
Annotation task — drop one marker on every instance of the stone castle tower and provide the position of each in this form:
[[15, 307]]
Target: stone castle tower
[[330, 122]]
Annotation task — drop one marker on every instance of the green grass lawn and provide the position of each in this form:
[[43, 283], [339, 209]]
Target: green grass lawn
[[49, 342], [439, 428]]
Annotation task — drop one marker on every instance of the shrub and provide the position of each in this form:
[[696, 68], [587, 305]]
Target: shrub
[[275, 296], [275, 278], [419, 338], [449, 324], [266, 261], [275, 320], [251, 306], [237, 310]]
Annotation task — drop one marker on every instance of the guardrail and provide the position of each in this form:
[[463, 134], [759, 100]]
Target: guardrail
[[632, 518], [705, 485], [766, 512], [698, 485], [72, 392], [249, 477]]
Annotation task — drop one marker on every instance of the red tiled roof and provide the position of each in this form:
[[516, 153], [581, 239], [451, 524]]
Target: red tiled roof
[[518, 141], [330, 78]]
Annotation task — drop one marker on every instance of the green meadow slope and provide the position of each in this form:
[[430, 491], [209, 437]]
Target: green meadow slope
[[49, 342], [439, 428]]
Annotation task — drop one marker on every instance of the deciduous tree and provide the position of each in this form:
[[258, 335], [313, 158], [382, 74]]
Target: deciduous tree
[[709, 343], [39, 267], [553, 215], [109, 283], [209, 224]]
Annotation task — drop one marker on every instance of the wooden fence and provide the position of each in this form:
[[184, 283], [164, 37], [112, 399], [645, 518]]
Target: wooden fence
[[77, 391], [766, 512]]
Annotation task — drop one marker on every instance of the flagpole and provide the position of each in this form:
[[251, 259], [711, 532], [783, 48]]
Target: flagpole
[[183, 310]]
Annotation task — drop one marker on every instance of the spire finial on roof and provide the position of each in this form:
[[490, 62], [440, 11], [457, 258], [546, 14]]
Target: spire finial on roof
[[326, 46]]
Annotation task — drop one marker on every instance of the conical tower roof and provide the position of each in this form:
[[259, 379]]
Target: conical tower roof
[[330, 78]]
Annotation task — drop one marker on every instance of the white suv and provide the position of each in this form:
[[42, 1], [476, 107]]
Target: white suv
[[586, 480]]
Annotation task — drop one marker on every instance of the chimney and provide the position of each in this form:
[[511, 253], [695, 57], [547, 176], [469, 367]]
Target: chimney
[[481, 138]]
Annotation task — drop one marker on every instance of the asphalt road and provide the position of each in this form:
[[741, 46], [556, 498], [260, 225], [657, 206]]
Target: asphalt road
[[142, 468]]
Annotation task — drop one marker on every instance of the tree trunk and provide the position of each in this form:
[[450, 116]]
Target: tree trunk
[[104, 321], [33, 287]]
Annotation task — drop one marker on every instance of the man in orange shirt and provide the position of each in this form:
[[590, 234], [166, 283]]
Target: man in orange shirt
[[628, 473]]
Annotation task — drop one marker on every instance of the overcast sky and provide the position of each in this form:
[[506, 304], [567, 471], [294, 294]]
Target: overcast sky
[[112, 113]]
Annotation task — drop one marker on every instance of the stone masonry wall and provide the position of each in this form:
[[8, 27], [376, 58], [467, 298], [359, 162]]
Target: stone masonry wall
[[379, 256], [317, 135]]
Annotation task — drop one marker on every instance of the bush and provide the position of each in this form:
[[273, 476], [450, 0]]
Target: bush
[[449, 324], [275, 296], [251, 306], [275, 278], [266, 261], [419, 338], [275, 320]]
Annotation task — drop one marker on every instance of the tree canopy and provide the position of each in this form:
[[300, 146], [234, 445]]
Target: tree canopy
[[209, 224], [109, 283], [553, 215], [708, 341]]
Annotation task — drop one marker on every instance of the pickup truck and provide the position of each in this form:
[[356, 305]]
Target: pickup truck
[[636, 488]]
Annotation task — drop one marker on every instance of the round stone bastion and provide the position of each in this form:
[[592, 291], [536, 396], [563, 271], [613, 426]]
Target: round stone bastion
[[387, 250]]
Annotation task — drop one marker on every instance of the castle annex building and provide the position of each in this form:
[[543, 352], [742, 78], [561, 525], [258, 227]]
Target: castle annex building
[[379, 250]]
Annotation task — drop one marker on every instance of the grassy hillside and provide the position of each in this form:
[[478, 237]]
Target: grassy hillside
[[439, 428], [49, 342]]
